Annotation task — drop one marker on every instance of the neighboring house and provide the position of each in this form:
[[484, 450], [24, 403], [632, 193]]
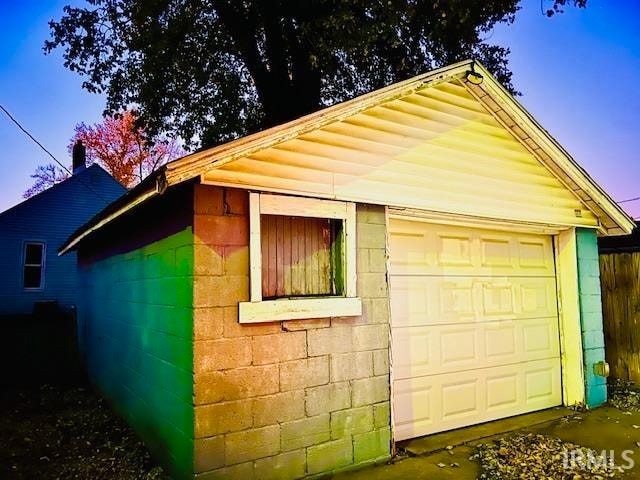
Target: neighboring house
[[32, 232], [244, 305], [620, 273]]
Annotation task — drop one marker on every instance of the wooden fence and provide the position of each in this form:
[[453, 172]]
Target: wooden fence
[[620, 281]]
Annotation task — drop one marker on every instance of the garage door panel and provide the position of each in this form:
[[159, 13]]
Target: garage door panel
[[475, 333], [462, 399], [451, 250], [418, 300], [440, 349]]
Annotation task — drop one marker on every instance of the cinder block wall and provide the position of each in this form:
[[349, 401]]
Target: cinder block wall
[[136, 323], [288, 399], [591, 315]]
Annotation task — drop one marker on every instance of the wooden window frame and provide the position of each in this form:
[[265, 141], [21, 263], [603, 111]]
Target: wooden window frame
[[259, 310], [41, 265]]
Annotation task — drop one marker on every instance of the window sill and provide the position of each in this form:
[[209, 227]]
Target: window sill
[[298, 309]]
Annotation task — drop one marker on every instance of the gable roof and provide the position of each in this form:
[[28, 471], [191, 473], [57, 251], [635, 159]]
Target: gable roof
[[93, 181], [231, 163]]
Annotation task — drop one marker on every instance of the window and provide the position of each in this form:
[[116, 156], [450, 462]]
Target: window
[[302, 256], [33, 269]]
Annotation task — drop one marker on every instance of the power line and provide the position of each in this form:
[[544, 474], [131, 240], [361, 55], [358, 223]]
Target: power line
[[26, 132], [629, 200]]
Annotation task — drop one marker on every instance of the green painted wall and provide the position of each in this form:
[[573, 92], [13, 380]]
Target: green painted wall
[[138, 328], [591, 315]]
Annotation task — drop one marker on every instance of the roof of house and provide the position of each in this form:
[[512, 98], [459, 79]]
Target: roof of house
[[238, 163], [93, 181]]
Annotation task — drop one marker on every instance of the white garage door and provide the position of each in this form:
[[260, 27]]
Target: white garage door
[[474, 326]]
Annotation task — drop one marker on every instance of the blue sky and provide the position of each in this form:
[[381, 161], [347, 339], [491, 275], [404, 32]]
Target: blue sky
[[576, 71]]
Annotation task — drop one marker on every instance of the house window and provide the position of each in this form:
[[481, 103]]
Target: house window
[[302, 258], [33, 268]]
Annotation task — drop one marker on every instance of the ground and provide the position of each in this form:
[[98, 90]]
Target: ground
[[54, 432]]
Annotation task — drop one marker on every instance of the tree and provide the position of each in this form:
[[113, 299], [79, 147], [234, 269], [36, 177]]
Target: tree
[[117, 144], [211, 70], [123, 148], [45, 176]]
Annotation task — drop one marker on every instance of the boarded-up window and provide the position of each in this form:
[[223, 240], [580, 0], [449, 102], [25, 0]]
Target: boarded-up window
[[301, 256]]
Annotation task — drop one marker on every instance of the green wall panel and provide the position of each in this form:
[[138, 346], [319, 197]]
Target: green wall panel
[[138, 323]]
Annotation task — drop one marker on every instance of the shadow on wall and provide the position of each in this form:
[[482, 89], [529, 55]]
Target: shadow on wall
[[40, 348]]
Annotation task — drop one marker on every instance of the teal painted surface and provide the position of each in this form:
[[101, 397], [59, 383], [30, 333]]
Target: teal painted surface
[[137, 317], [591, 315]]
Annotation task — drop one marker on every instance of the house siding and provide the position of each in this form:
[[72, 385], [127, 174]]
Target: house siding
[[591, 315], [136, 324], [50, 217], [284, 399]]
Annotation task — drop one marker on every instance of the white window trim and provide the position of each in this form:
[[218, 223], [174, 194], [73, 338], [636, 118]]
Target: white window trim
[[258, 310], [42, 264]]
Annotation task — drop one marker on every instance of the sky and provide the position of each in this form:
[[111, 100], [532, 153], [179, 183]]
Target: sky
[[576, 73]]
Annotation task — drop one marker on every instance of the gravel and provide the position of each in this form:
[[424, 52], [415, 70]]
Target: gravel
[[68, 433], [540, 457], [624, 395]]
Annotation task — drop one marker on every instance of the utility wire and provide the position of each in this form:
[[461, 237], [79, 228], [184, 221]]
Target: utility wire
[[628, 200], [26, 132]]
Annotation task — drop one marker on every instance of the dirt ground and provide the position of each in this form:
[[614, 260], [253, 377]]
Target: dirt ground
[[64, 433]]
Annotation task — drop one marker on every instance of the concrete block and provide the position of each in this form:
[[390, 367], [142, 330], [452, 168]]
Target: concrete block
[[220, 291], [591, 306], [232, 328], [596, 395], [207, 260], [371, 445], [208, 453], [213, 355], [243, 471], [305, 432], [329, 456], [278, 408], [370, 337], [589, 285], [236, 201], [587, 244], [351, 421], [309, 324], [337, 339], [252, 444], [382, 415], [279, 347], [221, 418], [370, 214], [286, 466], [377, 260], [303, 373], [370, 235], [236, 260], [381, 362], [372, 285], [370, 390], [362, 260], [349, 366], [327, 398], [208, 200], [224, 230], [593, 339], [236, 384], [376, 310], [208, 323]]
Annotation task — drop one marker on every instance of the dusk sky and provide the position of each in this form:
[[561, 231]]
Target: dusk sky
[[576, 72]]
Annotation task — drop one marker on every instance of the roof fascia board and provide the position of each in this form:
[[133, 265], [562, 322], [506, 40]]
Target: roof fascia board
[[559, 155]]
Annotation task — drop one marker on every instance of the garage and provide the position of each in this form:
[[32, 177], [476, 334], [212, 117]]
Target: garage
[[474, 321]]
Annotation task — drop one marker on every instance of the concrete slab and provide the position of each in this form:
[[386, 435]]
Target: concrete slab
[[438, 441]]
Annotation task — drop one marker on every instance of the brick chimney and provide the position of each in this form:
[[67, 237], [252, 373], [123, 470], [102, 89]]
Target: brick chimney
[[79, 155]]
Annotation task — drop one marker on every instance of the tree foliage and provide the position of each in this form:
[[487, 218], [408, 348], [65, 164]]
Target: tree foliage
[[211, 70], [45, 176], [123, 148]]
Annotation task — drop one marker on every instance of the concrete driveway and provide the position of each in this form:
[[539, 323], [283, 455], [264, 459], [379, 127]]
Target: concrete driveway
[[605, 428]]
